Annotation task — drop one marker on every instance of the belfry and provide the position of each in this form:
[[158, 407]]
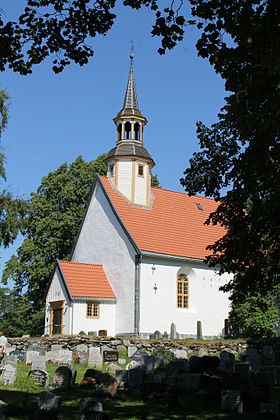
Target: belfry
[[129, 163]]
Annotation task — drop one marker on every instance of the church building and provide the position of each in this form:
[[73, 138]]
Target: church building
[[137, 263]]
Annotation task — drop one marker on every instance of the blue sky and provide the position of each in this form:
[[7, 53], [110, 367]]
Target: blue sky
[[55, 118]]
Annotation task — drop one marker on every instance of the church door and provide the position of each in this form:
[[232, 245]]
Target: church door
[[57, 317]]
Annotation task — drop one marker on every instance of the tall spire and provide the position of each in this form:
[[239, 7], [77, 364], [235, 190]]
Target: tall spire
[[130, 103]]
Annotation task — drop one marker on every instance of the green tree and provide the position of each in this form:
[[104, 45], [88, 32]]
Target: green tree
[[257, 317], [155, 181], [239, 160], [54, 215]]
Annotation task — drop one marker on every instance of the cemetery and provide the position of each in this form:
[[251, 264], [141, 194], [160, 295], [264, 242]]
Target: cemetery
[[87, 377]]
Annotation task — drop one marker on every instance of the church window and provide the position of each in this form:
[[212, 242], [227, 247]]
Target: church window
[[137, 131], [182, 291], [127, 129], [140, 170], [92, 310]]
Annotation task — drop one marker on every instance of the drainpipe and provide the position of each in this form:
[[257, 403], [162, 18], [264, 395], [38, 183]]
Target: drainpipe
[[137, 294], [72, 319]]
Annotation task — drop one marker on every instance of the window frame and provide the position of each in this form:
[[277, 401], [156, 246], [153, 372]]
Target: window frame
[[140, 165], [182, 291], [112, 169], [93, 305]]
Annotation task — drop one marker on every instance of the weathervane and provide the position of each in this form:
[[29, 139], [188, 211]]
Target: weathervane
[[131, 50]]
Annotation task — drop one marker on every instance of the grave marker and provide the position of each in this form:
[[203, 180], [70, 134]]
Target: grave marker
[[39, 376], [9, 374], [65, 356], [231, 401], [30, 356], [63, 377], [110, 356], [20, 355], [39, 363], [95, 358]]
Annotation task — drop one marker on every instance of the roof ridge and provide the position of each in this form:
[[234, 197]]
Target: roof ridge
[[75, 262], [182, 192]]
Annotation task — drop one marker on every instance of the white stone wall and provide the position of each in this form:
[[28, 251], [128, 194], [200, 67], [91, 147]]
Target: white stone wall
[[159, 309], [124, 178], [103, 241], [57, 292], [106, 319]]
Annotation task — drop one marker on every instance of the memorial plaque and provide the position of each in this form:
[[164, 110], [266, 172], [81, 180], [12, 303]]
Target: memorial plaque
[[39, 363], [9, 374], [30, 356], [110, 356], [39, 376], [95, 358]]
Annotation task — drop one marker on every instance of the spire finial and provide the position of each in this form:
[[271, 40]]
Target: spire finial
[[131, 55]]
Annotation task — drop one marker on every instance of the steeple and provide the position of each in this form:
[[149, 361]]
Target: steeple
[[129, 163]]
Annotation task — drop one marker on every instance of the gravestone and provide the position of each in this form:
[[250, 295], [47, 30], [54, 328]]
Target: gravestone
[[156, 335], [65, 356], [82, 357], [242, 369], [10, 360], [173, 332], [255, 363], [9, 350], [95, 358], [92, 333], [73, 377], [39, 376], [102, 333], [135, 378], [39, 363], [49, 402], [20, 355], [202, 352], [134, 365], [56, 347], [276, 375], [30, 356], [227, 360], [91, 409], [9, 374], [122, 376], [268, 351], [110, 356], [180, 354], [41, 350], [139, 355], [63, 377], [131, 350], [231, 401], [269, 410], [191, 381], [52, 356], [82, 347]]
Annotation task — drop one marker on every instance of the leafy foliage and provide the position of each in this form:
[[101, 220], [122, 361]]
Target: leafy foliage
[[257, 317], [239, 161], [54, 215], [155, 181]]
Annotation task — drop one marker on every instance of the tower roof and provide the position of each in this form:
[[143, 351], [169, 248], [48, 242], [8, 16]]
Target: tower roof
[[130, 103]]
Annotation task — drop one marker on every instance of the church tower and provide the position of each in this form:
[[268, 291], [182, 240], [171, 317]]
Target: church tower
[[129, 163]]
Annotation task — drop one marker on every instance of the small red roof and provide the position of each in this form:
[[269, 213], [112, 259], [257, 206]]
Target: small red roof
[[86, 280], [174, 225]]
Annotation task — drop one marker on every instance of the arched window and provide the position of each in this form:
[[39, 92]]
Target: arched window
[[182, 290], [127, 129], [137, 131], [119, 130]]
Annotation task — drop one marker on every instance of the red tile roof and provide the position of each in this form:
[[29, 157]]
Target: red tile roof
[[174, 225], [86, 280]]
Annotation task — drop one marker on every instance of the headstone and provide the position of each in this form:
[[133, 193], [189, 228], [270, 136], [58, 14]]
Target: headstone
[[156, 335], [268, 351], [226, 361], [49, 402], [52, 356], [131, 350], [269, 410], [126, 343], [149, 364], [122, 349], [20, 355], [173, 333], [180, 354], [9, 374], [134, 365], [199, 330], [35, 347], [110, 356], [10, 360], [30, 356], [65, 356], [73, 377], [113, 368], [95, 358], [165, 335], [63, 377], [231, 401], [9, 350], [82, 347], [91, 409], [255, 363], [92, 333], [39, 363], [39, 376], [3, 410], [191, 381], [82, 357], [102, 333], [242, 369], [56, 347], [122, 376], [138, 356], [202, 352], [276, 375], [135, 378]]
